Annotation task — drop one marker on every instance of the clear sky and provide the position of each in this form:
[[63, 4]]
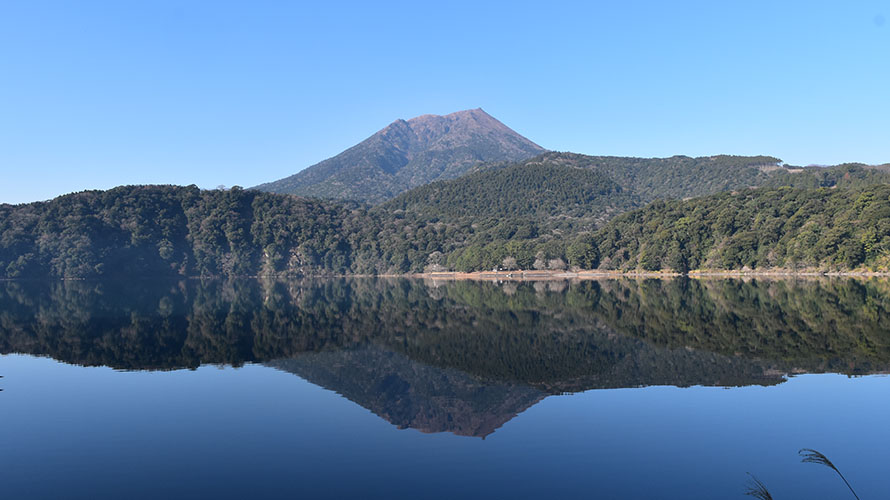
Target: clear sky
[[97, 94]]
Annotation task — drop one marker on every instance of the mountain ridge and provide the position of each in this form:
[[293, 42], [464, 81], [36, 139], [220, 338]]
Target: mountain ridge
[[677, 176]]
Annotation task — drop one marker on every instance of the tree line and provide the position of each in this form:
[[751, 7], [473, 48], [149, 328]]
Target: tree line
[[561, 211]]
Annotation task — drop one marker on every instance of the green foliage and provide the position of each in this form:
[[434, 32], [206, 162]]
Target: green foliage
[[166, 230], [829, 229], [548, 194], [650, 179], [675, 177], [555, 211], [583, 252]]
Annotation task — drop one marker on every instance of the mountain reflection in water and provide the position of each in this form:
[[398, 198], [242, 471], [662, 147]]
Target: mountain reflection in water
[[462, 357]]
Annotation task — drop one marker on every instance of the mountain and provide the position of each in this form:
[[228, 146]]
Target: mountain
[[407, 154]]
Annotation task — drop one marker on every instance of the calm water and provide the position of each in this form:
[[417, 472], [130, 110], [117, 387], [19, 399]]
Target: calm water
[[413, 389]]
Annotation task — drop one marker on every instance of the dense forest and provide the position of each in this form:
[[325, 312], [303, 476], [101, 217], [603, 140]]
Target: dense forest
[[673, 177], [679, 177], [165, 230], [558, 211], [762, 228], [169, 230], [552, 195]]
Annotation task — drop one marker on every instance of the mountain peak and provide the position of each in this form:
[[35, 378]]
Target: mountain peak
[[410, 153], [474, 113], [473, 119]]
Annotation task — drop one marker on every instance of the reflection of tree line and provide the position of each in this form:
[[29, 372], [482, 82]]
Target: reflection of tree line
[[553, 336], [827, 325]]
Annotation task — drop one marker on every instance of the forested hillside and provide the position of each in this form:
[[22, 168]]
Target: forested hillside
[[674, 177], [848, 175], [168, 230], [556, 212], [824, 228], [550, 194], [652, 179]]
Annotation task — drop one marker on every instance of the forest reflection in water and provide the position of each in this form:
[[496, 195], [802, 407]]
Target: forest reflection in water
[[462, 357]]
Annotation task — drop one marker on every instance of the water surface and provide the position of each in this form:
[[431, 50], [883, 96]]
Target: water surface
[[412, 389]]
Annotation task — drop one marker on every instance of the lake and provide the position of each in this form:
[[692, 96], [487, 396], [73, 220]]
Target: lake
[[398, 388]]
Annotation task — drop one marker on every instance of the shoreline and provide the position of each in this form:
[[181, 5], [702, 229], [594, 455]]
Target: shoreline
[[545, 275], [594, 275]]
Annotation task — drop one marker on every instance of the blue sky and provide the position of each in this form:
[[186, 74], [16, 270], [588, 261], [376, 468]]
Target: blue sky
[[97, 94]]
